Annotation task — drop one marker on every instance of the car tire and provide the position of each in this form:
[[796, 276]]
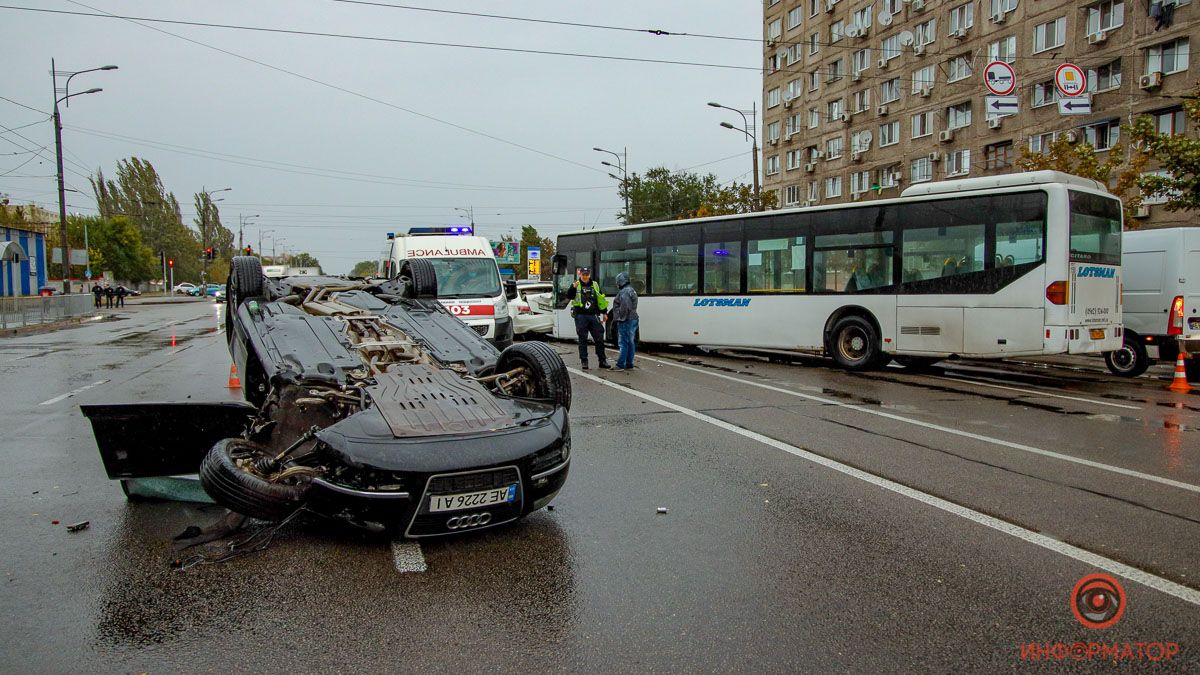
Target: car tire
[[551, 380], [243, 492], [916, 363], [1128, 361], [854, 343], [245, 281], [419, 278]]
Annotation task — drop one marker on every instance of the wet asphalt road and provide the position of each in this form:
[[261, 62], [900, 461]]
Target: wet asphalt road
[[767, 560]]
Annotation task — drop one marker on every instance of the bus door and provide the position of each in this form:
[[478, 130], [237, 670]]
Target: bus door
[[566, 271]]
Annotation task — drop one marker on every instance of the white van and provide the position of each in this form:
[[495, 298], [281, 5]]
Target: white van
[[469, 283], [1161, 270]]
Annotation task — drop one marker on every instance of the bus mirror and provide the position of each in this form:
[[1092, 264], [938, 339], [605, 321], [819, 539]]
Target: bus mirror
[[510, 289], [559, 264]]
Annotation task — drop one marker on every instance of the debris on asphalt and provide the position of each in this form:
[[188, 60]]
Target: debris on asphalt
[[549, 507], [79, 527], [662, 509], [54, 522]]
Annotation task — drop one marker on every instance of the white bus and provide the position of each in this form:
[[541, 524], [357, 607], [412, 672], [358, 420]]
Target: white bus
[[1013, 265], [469, 283]]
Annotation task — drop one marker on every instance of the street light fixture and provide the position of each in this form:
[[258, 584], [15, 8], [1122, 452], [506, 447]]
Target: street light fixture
[[204, 228], [751, 135], [242, 220], [470, 213], [622, 165], [62, 191]]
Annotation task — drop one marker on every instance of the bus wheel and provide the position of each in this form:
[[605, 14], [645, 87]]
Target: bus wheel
[[855, 344], [1128, 361]]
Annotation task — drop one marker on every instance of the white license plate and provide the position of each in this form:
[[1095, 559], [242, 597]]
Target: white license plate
[[470, 500]]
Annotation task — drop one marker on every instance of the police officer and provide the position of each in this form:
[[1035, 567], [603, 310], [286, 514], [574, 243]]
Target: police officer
[[587, 306]]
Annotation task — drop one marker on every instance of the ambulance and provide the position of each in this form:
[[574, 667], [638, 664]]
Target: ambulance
[[469, 283]]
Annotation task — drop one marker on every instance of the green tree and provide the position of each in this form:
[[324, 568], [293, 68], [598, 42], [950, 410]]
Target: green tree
[[530, 237], [736, 198], [1118, 172], [364, 269], [663, 194], [139, 195], [215, 235], [302, 260], [1177, 155]]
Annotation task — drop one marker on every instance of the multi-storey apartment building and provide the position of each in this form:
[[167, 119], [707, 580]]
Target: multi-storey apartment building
[[861, 99]]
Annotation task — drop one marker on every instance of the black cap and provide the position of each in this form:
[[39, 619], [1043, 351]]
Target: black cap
[[582, 270]]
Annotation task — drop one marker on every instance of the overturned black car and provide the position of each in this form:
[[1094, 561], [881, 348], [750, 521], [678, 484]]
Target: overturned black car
[[366, 402]]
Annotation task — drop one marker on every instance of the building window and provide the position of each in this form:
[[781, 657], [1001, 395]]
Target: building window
[[959, 68], [860, 182], [958, 116], [999, 6], [837, 70], [922, 124], [811, 151], [923, 78], [921, 170], [1160, 198], [926, 32], [862, 100], [962, 17], [1044, 93], [890, 90], [893, 6], [794, 159], [1107, 76], [814, 118], [794, 89], [1040, 143], [1169, 57], [890, 47], [833, 147], [837, 31], [833, 186], [775, 30], [862, 16], [793, 125], [814, 43], [814, 6], [773, 131], [958, 162], [1050, 34], [772, 63], [1171, 122], [998, 155], [1004, 49], [1102, 135], [814, 80], [772, 165], [773, 97], [814, 192], [1105, 16], [794, 17], [862, 60], [860, 141], [791, 198], [889, 134], [835, 109], [889, 177]]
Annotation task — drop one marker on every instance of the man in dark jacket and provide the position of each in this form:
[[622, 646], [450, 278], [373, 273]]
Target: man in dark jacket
[[98, 292], [625, 314], [587, 306], [109, 294]]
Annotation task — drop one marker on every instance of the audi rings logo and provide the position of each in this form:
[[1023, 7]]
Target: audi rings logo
[[1098, 601], [471, 520]]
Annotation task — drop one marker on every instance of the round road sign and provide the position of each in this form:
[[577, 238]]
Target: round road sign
[[1070, 80], [999, 78]]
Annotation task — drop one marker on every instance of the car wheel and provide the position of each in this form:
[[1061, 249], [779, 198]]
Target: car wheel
[[229, 484], [419, 278], [1128, 361], [245, 281], [548, 376], [917, 363], [855, 344]]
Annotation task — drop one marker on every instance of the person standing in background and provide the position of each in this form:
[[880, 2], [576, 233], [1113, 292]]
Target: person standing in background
[[97, 292], [625, 314], [587, 306]]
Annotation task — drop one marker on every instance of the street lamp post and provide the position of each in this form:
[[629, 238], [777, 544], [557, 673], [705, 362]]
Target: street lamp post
[[242, 220], [261, 232], [622, 165], [751, 134], [208, 202], [62, 188], [470, 211]]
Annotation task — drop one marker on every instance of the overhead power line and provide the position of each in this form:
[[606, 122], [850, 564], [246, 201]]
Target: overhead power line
[[372, 38], [27, 107]]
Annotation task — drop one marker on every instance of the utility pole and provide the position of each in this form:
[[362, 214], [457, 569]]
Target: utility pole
[[622, 165], [750, 129]]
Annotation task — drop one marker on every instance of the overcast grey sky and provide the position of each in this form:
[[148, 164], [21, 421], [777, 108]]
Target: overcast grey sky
[[287, 146]]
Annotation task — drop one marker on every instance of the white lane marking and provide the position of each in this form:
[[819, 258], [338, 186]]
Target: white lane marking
[[949, 430], [1167, 586], [69, 394], [1035, 392], [408, 556]]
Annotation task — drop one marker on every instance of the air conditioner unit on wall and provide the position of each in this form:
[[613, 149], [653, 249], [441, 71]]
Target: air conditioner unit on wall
[[773, 141], [882, 110], [845, 118], [960, 34], [787, 102], [818, 154], [1141, 211], [1071, 135], [1098, 38], [829, 5], [810, 167], [883, 63], [918, 49], [918, 5], [998, 17], [935, 156], [855, 76], [946, 136], [856, 156], [925, 91], [994, 122], [1151, 81]]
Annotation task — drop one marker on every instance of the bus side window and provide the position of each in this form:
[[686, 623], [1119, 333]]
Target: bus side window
[[1019, 243]]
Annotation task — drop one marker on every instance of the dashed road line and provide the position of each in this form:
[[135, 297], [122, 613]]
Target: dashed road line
[[69, 394], [949, 430], [1179, 591], [1035, 392], [408, 557]]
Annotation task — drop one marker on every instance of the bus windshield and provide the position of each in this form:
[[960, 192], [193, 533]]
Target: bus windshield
[[466, 277], [1095, 229]]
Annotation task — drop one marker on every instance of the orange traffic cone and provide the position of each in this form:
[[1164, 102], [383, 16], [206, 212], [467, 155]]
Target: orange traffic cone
[[1180, 382], [235, 382]]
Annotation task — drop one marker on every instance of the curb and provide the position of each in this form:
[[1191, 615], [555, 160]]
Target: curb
[[36, 328]]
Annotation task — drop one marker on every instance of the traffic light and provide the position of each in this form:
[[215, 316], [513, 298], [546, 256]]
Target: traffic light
[[170, 262], [249, 250], [209, 254]]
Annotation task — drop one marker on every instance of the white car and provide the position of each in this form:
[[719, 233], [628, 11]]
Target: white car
[[531, 311], [182, 289]]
